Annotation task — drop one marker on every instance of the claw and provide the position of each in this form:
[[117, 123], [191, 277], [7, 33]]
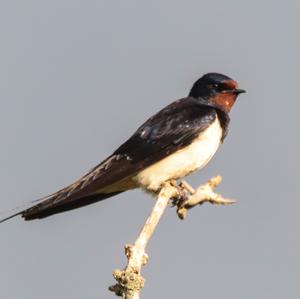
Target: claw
[[184, 190]]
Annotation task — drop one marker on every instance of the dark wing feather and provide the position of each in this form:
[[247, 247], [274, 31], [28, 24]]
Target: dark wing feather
[[171, 129]]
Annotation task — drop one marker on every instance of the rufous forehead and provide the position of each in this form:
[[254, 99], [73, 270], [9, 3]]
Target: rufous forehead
[[231, 84]]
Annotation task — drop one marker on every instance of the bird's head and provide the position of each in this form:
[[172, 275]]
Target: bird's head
[[217, 89]]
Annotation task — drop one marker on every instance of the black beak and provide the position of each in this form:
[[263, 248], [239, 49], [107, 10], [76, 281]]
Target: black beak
[[238, 91], [235, 91]]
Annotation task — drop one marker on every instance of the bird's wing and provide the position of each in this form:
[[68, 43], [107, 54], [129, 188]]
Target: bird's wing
[[171, 129]]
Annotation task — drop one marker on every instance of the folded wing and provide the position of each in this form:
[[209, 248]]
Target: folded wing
[[171, 129]]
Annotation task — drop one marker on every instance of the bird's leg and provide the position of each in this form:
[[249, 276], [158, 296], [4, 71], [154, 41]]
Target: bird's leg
[[184, 191], [204, 193], [185, 185]]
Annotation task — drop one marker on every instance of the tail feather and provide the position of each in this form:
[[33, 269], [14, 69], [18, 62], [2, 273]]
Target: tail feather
[[45, 209], [18, 211], [82, 192], [10, 216]]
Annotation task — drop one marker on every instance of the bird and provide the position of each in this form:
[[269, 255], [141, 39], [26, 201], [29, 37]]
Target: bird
[[178, 140]]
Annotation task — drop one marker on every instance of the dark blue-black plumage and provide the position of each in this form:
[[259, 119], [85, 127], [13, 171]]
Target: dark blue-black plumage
[[168, 131]]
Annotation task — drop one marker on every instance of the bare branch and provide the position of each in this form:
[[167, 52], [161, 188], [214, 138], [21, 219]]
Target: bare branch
[[204, 193], [129, 280]]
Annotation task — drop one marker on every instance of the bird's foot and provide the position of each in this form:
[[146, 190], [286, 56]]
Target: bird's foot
[[184, 191]]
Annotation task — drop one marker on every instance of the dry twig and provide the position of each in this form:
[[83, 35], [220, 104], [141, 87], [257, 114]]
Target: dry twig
[[129, 280], [204, 193]]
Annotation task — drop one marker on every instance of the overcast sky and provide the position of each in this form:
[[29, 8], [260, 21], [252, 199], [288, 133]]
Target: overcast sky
[[78, 77]]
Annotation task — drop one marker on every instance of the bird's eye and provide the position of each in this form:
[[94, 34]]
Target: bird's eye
[[215, 86]]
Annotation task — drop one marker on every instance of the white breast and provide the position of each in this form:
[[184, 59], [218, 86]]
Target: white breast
[[183, 162]]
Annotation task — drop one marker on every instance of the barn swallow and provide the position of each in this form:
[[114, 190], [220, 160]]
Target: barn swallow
[[178, 140]]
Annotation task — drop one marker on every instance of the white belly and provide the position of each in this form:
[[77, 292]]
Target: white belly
[[183, 162]]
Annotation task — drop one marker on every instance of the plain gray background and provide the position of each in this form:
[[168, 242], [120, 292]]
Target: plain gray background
[[78, 77]]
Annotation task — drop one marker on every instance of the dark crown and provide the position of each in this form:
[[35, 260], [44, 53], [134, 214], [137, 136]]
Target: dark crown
[[207, 85]]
